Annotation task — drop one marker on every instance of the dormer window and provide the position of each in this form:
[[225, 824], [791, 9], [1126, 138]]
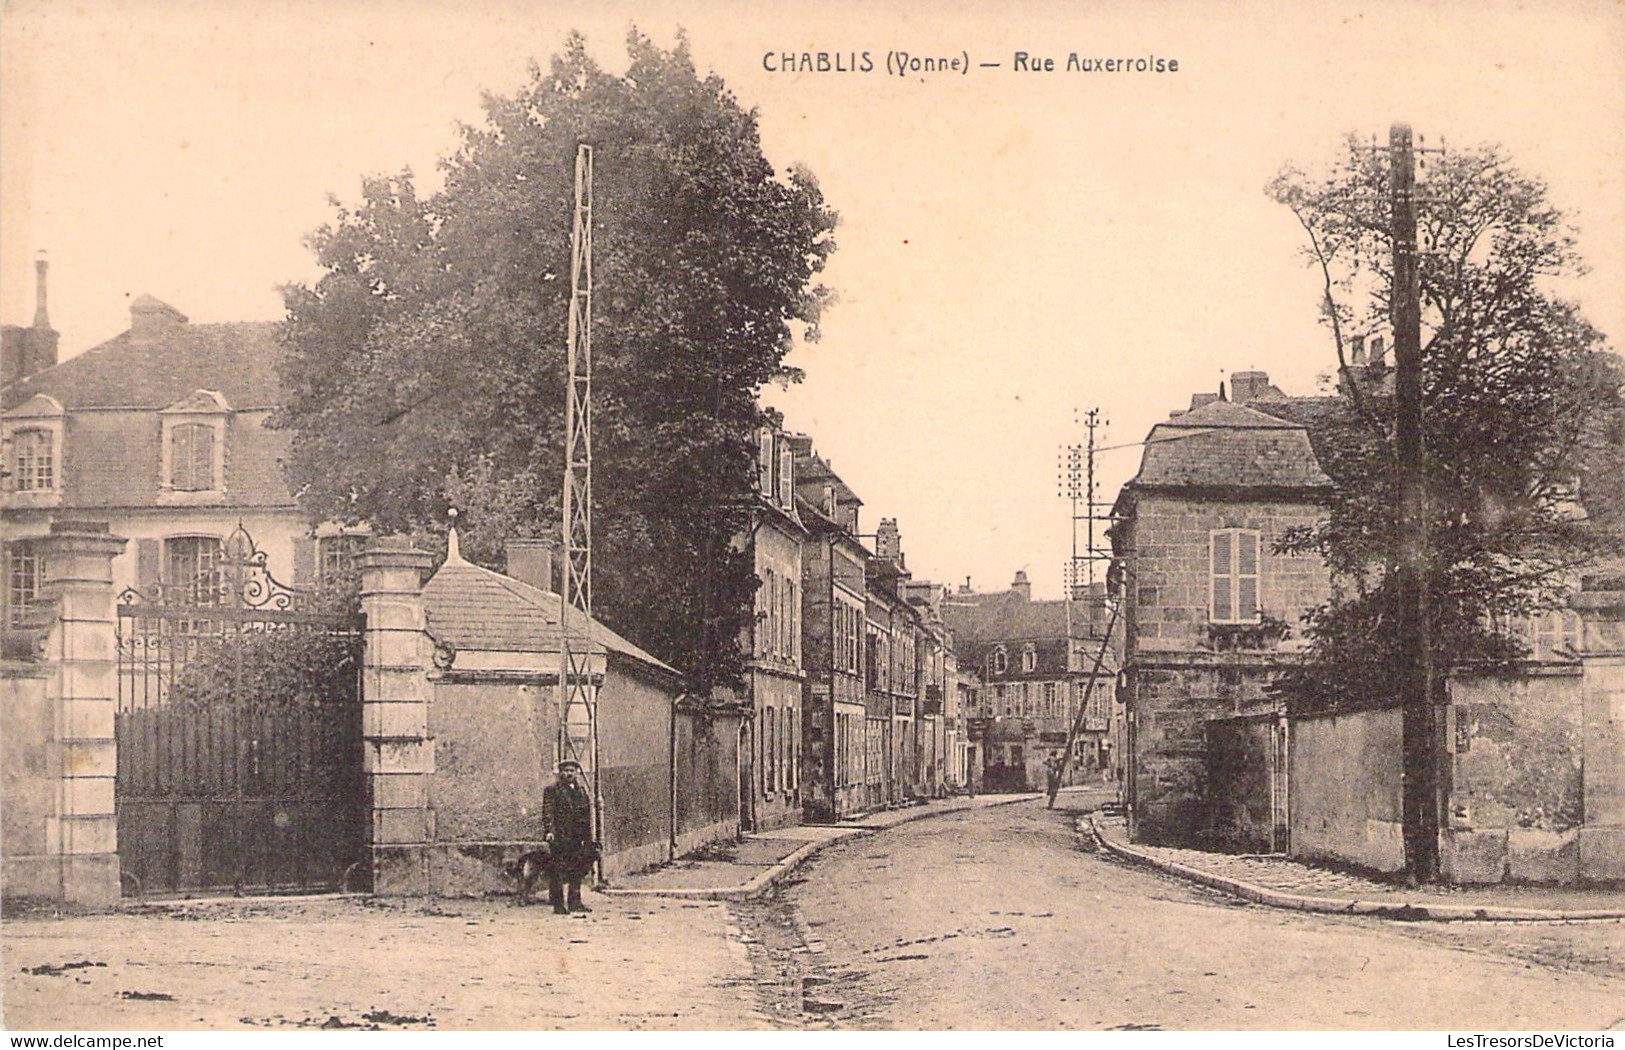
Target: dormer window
[[999, 660], [1029, 659], [194, 448], [191, 458], [33, 460]]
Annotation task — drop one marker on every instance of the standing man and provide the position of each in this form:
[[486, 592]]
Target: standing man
[[567, 819], [1052, 777]]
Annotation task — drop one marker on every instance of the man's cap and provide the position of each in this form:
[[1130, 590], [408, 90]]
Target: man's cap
[[569, 764]]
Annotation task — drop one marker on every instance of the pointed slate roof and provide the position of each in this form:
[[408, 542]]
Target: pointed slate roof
[[474, 608], [1222, 445]]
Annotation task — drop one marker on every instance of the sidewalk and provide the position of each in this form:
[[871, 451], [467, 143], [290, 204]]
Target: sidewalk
[[735, 871], [1280, 882]]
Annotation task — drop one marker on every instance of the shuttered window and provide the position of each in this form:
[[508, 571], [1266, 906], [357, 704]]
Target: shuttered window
[[1233, 597], [787, 488], [191, 457], [764, 462]]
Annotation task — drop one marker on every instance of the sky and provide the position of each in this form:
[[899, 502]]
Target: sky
[[1016, 246]]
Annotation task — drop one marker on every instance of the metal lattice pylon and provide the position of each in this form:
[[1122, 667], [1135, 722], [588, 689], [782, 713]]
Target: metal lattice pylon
[[578, 738]]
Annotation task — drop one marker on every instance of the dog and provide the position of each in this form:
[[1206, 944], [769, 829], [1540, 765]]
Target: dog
[[530, 868]]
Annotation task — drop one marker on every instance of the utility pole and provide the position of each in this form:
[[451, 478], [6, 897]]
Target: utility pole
[[1414, 628], [1077, 482], [1071, 482], [578, 722]]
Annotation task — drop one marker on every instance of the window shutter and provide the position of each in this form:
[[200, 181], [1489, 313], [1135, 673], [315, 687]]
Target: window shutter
[[787, 491], [180, 458], [1223, 605], [764, 642], [764, 463], [1246, 576], [148, 564], [304, 561]]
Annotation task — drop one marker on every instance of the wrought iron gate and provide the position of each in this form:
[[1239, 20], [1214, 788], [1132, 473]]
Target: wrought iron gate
[[239, 732]]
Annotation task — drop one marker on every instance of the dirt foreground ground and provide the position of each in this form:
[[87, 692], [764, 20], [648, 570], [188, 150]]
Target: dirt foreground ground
[[384, 964]]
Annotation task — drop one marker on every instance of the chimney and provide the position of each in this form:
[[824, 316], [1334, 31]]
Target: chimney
[[42, 316], [888, 541], [26, 351], [1021, 587], [964, 588], [1249, 386], [1377, 350], [151, 318], [1357, 351], [530, 561]]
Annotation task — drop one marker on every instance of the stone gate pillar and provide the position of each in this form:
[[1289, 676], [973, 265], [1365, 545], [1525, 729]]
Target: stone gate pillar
[[399, 756], [61, 828], [1602, 727]]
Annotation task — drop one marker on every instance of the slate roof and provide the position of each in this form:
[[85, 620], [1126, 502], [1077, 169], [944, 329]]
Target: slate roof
[[1316, 413], [474, 608], [1003, 617], [111, 393], [1228, 446], [113, 459], [237, 360]]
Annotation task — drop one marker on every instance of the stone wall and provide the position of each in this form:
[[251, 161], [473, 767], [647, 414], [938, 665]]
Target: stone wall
[[706, 747], [1238, 788], [494, 753], [635, 766], [1344, 789], [1170, 698], [1516, 794], [1602, 713]]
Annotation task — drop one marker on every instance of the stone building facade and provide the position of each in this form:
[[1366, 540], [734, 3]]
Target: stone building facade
[[1211, 614], [836, 766], [1032, 662], [770, 777], [161, 432]]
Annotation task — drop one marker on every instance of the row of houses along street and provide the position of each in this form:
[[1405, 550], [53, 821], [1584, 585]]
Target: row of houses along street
[[150, 456], [866, 688]]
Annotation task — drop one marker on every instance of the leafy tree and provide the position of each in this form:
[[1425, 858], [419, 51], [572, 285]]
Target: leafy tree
[[426, 367], [1524, 423]]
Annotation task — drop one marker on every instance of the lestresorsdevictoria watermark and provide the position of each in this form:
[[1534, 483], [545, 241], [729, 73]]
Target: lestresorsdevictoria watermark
[[1534, 1041]]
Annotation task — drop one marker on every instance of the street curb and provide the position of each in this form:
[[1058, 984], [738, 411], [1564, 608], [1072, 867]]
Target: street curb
[[775, 874], [1407, 912]]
